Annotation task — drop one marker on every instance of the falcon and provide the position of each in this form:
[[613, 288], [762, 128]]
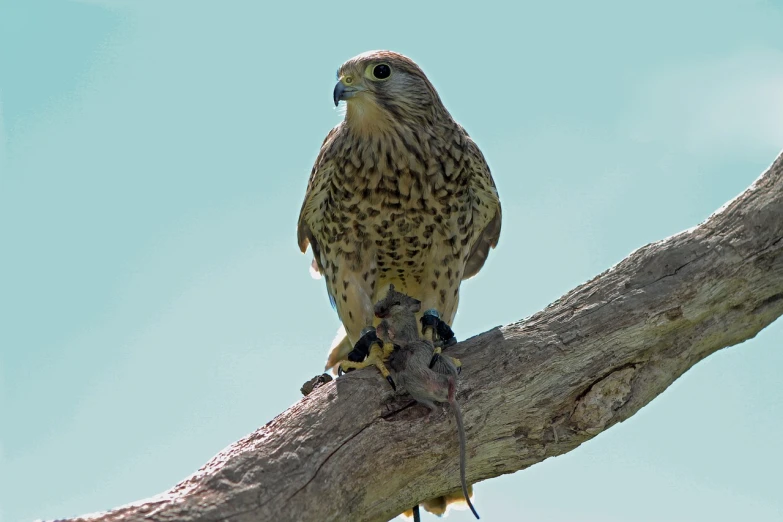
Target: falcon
[[399, 195]]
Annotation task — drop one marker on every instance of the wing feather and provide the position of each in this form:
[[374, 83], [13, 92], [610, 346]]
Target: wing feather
[[314, 196], [487, 215]]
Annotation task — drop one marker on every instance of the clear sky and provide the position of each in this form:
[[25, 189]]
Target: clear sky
[[153, 159]]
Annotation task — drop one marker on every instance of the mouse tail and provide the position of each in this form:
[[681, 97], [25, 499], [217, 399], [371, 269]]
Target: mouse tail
[[462, 459]]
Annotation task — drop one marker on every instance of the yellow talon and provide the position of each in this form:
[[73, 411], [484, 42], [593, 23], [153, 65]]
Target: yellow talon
[[439, 364], [377, 357], [351, 365], [429, 334]]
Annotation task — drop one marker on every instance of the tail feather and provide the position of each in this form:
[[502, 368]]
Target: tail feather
[[339, 350], [441, 505], [315, 271]]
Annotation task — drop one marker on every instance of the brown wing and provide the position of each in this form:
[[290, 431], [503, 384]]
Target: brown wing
[[487, 214], [314, 196]]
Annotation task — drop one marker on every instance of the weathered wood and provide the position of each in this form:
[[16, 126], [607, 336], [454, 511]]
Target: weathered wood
[[530, 390]]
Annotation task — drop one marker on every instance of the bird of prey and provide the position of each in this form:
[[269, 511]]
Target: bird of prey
[[399, 194]]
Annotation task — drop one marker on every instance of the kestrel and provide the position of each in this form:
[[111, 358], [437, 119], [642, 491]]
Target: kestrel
[[399, 194]]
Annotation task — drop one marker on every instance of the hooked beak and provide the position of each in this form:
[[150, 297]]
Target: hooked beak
[[342, 92]]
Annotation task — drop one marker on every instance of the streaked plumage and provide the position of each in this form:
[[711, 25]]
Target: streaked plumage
[[399, 194]]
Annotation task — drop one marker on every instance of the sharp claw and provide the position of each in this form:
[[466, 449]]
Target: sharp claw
[[435, 358], [391, 381], [340, 371]]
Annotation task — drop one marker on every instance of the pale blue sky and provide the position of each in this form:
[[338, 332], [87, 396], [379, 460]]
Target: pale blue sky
[[153, 159]]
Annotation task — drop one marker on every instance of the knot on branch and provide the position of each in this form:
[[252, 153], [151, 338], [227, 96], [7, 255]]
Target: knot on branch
[[596, 408]]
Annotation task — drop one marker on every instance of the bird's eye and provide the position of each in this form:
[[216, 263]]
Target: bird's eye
[[380, 71]]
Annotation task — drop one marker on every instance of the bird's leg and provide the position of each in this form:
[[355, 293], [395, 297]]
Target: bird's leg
[[362, 347], [429, 331], [369, 350], [445, 334], [447, 338], [429, 325], [435, 330], [379, 356]]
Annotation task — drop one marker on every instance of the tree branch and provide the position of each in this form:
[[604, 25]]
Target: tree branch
[[529, 390]]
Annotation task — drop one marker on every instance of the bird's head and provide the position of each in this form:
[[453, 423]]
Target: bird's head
[[383, 87]]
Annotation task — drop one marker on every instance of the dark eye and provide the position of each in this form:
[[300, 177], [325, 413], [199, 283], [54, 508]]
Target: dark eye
[[381, 71]]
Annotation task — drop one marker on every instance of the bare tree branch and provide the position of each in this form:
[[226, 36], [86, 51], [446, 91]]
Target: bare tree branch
[[530, 390]]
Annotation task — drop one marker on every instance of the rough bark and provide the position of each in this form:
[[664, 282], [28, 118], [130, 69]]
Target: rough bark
[[530, 390]]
